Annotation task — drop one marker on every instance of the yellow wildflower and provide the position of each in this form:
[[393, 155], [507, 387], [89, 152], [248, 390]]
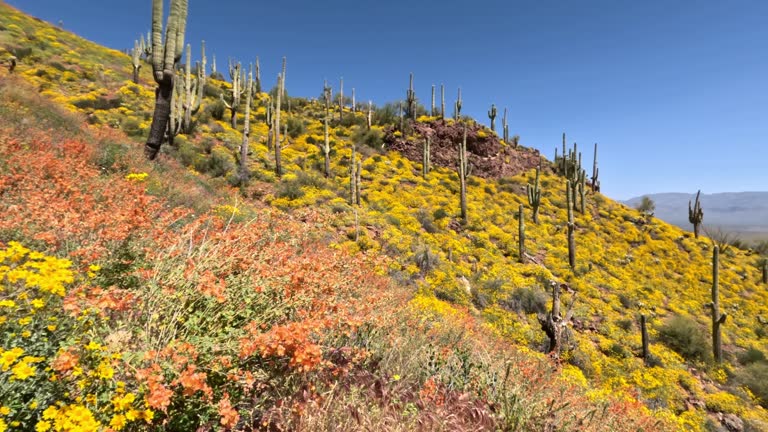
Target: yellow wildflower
[[118, 422], [4, 410], [23, 371], [105, 371], [50, 413], [148, 415], [8, 357], [37, 303], [43, 426], [93, 346]]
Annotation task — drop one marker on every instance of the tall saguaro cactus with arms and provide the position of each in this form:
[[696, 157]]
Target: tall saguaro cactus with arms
[[165, 55], [695, 215]]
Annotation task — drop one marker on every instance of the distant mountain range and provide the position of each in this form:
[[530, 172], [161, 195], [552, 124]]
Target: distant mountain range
[[743, 213]]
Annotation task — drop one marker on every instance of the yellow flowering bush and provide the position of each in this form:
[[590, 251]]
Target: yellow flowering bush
[[51, 377]]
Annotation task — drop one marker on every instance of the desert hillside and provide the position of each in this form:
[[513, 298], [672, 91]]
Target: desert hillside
[[330, 276]]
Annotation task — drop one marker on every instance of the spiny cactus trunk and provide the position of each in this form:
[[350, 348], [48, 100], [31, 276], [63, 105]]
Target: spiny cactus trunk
[[571, 228], [244, 174], [341, 100], [426, 157], [554, 324], [521, 234], [358, 182], [278, 160], [278, 143], [442, 102], [534, 194], [353, 177], [432, 112], [696, 215], [765, 271], [644, 335], [717, 318], [462, 169], [165, 56], [326, 149], [160, 117], [595, 173]]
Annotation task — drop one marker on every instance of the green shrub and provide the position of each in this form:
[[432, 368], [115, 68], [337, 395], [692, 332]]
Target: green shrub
[[425, 259], [111, 156], [221, 162], [216, 110], [427, 222], [687, 338], [296, 127], [132, 127], [212, 91], [751, 355], [439, 214], [373, 139], [290, 189], [526, 300], [99, 103], [755, 378]]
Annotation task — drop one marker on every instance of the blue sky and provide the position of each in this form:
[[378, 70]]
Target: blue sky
[[674, 92]]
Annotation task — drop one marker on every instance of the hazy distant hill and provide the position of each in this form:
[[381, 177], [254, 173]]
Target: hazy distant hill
[[742, 212]]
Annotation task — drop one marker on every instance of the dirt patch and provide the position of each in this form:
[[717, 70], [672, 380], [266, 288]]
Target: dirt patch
[[488, 156]]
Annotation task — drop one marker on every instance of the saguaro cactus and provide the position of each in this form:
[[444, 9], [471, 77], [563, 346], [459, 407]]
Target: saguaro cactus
[[341, 99], [327, 98], [369, 117], [695, 215], [236, 74], [175, 123], [426, 157], [492, 116], [505, 127], [326, 148], [432, 112], [165, 56], [442, 102], [257, 76], [280, 90], [353, 178], [410, 100], [595, 173], [202, 70], [463, 169], [136, 59], [718, 319], [458, 106], [644, 334], [554, 324], [193, 92], [521, 233], [571, 227], [534, 194], [354, 109], [582, 188], [244, 174]]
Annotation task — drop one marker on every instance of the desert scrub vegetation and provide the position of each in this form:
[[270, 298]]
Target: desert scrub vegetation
[[127, 312]]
